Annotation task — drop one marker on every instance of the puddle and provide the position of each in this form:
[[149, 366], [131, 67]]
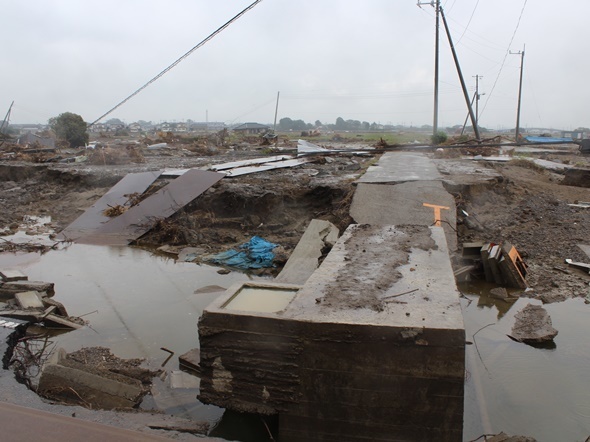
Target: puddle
[[258, 299], [518, 389], [136, 303]]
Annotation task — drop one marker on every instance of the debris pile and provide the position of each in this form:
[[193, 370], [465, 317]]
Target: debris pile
[[501, 263], [95, 378], [31, 301]]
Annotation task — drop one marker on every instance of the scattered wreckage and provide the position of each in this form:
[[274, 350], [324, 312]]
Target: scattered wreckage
[[31, 301]]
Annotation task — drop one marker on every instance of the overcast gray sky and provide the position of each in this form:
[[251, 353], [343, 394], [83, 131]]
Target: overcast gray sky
[[371, 60]]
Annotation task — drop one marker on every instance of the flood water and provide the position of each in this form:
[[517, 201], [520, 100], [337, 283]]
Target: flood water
[[518, 389], [137, 302]]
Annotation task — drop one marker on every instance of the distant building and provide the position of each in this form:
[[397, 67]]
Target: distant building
[[134, 128], [30, 139], [251, 128]]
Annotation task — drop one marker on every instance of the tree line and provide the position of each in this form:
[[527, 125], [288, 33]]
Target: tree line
[[287, 124]]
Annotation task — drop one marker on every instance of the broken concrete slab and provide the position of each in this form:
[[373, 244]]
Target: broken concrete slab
[[64, 378], [423, 203], [12, 275], [29, 299], [93, 218], [139, 219], [533, 326], [401, 167], [9, 289], [189, 361], [374, 336], [318, 239]]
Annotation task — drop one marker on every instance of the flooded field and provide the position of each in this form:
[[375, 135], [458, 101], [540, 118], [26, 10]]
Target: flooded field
[[137, 302]]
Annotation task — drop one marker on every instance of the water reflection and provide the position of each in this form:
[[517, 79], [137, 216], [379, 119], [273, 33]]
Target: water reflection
[[486, 300]]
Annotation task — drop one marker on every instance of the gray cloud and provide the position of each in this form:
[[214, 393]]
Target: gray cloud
[[368, 60]]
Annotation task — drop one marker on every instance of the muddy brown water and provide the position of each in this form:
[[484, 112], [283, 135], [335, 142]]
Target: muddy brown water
[[137, 302]]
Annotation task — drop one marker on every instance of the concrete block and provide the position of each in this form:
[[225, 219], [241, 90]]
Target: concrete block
[[12, 275], [61, 378], [305, 258], [9, 289], [370, 348], [28, 300]]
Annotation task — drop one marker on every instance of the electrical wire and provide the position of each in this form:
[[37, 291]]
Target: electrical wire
[[504, 60], [193, 49], [469, 22]]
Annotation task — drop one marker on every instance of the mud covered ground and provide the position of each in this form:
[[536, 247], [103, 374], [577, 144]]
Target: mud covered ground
[[528, 207], [525, 205]]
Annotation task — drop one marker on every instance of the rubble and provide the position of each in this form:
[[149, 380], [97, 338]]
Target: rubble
[[501, 263], [94, 378], [30, 301], [533, 326]]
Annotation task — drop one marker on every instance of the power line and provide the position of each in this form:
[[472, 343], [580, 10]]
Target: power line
[[177, 61], [505, 57], [469, 22]]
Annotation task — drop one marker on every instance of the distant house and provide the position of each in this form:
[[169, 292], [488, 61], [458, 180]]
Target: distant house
[[251, 128], [135, 128], [30, 139]]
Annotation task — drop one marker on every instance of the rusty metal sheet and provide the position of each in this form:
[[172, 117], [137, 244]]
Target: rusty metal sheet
[[93, 218], [138, 220]]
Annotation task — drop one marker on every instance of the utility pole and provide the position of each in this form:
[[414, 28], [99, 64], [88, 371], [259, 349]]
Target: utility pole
[[276, 112], [517, 133], [6, 120], [477, 97], [436, 5], [274, 129], [465, 93]]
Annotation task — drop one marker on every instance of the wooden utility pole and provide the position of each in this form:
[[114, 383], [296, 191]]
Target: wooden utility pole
[[517, 133]]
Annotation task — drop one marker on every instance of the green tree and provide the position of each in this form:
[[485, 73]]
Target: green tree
[[71, 128], [285, 123]]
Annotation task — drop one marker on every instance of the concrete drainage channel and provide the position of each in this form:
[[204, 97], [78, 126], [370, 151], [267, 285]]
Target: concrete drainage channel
[[384, 294]]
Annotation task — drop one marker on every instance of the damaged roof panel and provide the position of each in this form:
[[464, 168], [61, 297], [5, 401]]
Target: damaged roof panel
[[139, 219], [93, 218]]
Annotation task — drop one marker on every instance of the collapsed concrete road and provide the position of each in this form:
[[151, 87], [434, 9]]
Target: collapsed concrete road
[[372, 345]]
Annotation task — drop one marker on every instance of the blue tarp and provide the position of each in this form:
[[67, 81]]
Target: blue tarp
[[255, 254], [547, 140]]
